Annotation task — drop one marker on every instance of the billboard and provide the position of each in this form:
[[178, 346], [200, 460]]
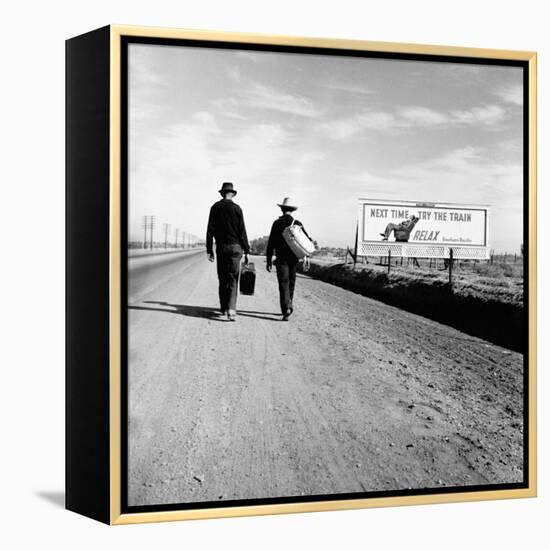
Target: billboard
[[422, 223]]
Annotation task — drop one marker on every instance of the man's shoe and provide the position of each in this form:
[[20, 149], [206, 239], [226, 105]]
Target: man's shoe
[[231, 315], [287, 314]]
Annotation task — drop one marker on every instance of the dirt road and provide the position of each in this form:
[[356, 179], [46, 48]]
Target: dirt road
[[351, 395]]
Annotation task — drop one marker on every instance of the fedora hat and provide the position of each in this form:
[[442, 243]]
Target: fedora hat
[[287, 204], [227, 187]]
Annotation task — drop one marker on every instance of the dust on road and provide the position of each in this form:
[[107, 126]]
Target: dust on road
[[351, 395]]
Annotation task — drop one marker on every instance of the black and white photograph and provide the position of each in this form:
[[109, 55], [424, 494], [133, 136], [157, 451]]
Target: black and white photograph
[[326, 275]]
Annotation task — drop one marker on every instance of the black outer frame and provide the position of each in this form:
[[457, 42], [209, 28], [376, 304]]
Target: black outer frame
[[87, 449], [87, 255]]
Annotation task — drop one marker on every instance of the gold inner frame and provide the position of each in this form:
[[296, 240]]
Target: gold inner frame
[[117, 518]]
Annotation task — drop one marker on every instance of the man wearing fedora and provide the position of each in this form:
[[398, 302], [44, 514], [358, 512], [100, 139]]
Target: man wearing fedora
[[226, 227], [286, 262]]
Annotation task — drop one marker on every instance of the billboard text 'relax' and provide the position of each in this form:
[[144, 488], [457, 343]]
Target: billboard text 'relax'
[[424, 223]]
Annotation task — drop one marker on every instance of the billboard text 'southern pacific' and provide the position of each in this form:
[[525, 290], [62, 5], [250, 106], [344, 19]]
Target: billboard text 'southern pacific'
[[424, 223]]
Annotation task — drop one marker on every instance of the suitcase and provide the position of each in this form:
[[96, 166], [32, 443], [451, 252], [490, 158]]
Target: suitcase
[[247, 279]]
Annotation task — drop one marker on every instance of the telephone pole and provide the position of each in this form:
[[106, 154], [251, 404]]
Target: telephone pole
[[166, 227], [144, 225], [148, 223], [177, 233]]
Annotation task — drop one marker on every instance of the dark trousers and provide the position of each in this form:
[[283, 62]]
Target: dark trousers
[[229, 264], [286, 276], [400, 232], [389, 228]]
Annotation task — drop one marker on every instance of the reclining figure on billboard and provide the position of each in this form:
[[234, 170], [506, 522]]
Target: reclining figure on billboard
[[401, 231]]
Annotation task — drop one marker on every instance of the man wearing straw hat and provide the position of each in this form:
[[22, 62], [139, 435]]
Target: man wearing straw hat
[[226, 227], [286, 262]]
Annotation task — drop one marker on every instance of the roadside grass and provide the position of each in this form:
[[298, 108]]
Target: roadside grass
[[485, 299], [500, 281]]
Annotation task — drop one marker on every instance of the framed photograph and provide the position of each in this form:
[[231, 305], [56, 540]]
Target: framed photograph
[[301, 274]]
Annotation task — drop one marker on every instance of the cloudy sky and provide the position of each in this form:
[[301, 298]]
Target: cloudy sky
[[323, 130]]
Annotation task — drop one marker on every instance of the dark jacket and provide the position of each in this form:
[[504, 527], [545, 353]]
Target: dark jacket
[[277, 242], [226, 226]]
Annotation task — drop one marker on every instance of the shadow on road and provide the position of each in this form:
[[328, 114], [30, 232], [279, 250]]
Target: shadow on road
[[202, 312]]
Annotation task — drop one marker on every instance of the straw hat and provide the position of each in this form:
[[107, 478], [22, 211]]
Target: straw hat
[[287, 204]]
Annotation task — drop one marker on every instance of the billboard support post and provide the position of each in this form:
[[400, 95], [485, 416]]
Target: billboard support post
[[355, 250], [451, 268]]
